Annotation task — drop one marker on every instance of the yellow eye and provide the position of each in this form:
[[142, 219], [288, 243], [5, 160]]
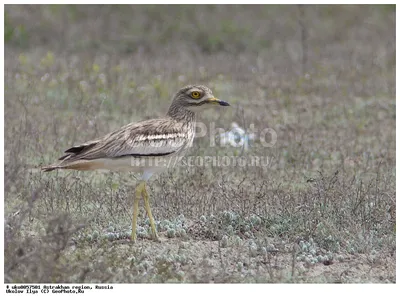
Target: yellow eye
[[195, 95]]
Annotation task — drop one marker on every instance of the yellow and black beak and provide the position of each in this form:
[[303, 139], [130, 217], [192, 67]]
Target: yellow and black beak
[[214, 100]]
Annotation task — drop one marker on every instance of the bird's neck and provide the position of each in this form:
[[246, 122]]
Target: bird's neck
[[181, 114]]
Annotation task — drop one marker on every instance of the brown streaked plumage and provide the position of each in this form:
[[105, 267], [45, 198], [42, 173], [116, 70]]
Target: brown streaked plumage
[[147, 138], [135, 146]]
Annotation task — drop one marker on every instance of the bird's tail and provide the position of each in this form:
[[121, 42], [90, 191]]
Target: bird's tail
[[50, 168], [80, 165]]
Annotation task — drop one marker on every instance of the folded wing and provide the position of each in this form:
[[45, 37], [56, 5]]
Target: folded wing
[[146, 138]]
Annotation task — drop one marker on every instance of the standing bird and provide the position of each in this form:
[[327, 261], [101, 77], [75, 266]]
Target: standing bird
[[147, 147]]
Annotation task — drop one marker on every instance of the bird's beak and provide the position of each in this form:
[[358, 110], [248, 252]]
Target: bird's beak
[[214, 100]]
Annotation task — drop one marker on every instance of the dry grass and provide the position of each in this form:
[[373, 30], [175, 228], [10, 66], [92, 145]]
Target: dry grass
[[323, 77]]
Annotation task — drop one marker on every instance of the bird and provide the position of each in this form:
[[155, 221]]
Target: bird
[[145, 147]]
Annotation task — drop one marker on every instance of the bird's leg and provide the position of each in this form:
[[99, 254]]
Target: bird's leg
[[138, 194], [148, 210]]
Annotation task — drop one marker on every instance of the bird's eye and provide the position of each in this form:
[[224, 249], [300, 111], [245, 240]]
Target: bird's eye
[[195, 95]]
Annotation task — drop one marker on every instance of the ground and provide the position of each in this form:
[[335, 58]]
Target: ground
[[319, 208]]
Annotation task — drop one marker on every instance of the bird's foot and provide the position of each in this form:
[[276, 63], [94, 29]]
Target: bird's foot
[[156, 238]]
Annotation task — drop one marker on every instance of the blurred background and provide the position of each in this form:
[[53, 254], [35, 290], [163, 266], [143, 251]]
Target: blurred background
[[322, 77]]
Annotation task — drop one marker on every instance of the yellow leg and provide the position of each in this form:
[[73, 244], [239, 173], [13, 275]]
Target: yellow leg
[[148, 210], [138, 193]]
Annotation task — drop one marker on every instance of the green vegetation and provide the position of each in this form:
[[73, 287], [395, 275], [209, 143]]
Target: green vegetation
[[323, 210]]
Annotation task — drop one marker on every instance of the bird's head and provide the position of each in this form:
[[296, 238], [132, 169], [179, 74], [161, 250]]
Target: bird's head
[[196, 98]]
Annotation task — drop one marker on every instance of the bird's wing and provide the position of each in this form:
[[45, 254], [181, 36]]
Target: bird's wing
[[147, 138]]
